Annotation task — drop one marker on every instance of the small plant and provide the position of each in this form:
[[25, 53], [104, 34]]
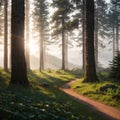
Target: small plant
[[108, 86], [115, 68]]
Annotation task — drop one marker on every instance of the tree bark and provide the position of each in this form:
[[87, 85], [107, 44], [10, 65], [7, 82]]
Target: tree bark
[[19, 71], [6, 35], [83, 30], [27, 34], [41, 50], [96, 38], [117, 35], [66, 52], [90, 70], [114, 48], [63, 46]]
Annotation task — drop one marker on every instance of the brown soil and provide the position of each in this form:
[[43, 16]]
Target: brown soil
[[109, 112]]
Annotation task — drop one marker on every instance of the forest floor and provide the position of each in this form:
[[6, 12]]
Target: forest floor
[[109, 112], [43, 100]]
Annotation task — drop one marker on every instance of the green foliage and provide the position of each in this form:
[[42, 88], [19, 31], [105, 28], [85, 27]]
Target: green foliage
[[113, 16], [40, 13], [101, 20], [62, 12], [40, 18], [114, 9], [103, 74], [115, 68], [17, 108], [1, 2], [105, 91], [41, 102], [108, 86]]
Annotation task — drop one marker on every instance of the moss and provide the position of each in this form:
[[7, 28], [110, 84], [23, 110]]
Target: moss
[[107, 92]]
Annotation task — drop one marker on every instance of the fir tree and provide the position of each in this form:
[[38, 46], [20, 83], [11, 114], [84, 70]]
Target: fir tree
[[18, 63], [1, 18], [114, 18], [62, 24], [90, 69], [6, 35], [41, 22], [101, 26], [115, 68], [27, 26], [80, 6]]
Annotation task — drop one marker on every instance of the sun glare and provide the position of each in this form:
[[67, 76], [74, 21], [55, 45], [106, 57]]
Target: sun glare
[[33, 48]]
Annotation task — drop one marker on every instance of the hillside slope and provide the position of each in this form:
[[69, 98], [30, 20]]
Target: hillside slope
[[51, 62]]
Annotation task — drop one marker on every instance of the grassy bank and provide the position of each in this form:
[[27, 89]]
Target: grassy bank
[[106, 91], [42, 100]]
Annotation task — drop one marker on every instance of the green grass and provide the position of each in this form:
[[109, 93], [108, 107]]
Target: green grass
[[42, 100], [105, 91]]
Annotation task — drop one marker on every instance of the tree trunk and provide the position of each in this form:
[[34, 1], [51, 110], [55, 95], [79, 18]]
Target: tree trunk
[[114, 48], [117, 35], [83, 30], [6, 35], [90, 70], [96, 38], [63, 46], [18, 72], [116, 26], [27, 34], [41, 50], [66, 52]]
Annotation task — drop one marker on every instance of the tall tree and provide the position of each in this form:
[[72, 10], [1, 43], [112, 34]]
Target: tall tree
[[27, 33], [80, 6], [62, 24], [90, 69], [6, 35], [114, 14], [101, 28], [18, 72], [83, 35], [41, 16], [1, 17], [101, 31], [115, 68]]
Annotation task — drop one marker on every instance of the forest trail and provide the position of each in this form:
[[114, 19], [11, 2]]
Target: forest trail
[[109, 112]]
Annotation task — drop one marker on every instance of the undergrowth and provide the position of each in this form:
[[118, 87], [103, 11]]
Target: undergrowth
[[42, 100], [105, 91]]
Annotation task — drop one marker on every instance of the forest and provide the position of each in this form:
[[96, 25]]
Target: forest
[[59, 60]]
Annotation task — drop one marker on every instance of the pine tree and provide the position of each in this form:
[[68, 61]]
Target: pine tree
[[114, 18], [112, 28], [90, 69], [18, 68], [6, 35], [1, 18], [101, 27], [41, 16], [62, 24], [80, 6], [115, 68], [27, 33]]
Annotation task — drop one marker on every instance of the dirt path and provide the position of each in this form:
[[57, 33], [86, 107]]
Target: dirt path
[[110, 112]]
